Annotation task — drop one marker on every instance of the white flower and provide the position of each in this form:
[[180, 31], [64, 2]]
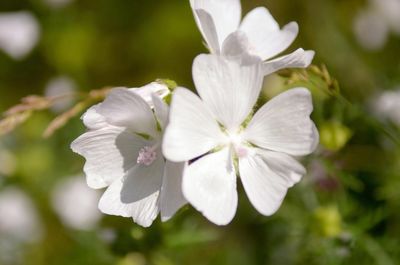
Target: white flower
[[370, 29], [76, 204], [390, 12], [258, 34], [213, 129], [63, 87], [123, 151], [19, 219], [19, 33], [373, 24], [386, 105]]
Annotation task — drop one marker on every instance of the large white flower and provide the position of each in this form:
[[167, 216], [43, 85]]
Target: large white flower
[[257, 34], [216, 131], [123, 151]]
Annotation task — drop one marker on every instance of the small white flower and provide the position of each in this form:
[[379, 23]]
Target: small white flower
[[19, 219], [257, 34], [19, 33], [123, 151], [214, 129], [390, 13], [63, 87], [370, 29], [76, 204], [373, 24], [386, 105]]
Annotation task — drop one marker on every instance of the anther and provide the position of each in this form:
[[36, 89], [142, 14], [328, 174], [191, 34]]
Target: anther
[[146, 156]]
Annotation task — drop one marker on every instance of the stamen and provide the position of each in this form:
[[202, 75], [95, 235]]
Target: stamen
[[146, 156]]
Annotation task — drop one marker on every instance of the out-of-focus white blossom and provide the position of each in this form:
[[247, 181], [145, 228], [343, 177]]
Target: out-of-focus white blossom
[[19, 221], [19, 33], [370, 30], [62, 87], [76, 204], [390, 12], [387, 105], [373, 24]]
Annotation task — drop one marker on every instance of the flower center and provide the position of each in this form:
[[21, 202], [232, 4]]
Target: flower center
[[146, 156], [236, 141]]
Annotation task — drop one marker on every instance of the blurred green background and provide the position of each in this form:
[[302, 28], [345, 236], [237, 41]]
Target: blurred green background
[[345, 210]]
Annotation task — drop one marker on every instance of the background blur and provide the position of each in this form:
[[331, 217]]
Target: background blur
[[345, 211]]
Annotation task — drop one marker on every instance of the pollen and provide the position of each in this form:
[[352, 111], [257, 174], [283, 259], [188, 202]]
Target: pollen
[[146, 156]]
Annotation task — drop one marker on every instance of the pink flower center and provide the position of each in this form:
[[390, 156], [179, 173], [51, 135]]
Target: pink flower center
[[241, 152], [235, 140], [146, 156]]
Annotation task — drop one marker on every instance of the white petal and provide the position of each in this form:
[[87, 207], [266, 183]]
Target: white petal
[[146, 91], [125, 108], [264, 33], [229, 88], [284, 165], [298, 59], [225, 15], [109, 153], [236, 45], [207, 28], [192, 129], [143, 212], [93, 120], [161, 110], [171, 192], [209, 184], [283, 124], [142, 181], [266, 180], [137, 194]]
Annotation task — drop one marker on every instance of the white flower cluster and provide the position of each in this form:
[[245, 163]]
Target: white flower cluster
[[154, 158]]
